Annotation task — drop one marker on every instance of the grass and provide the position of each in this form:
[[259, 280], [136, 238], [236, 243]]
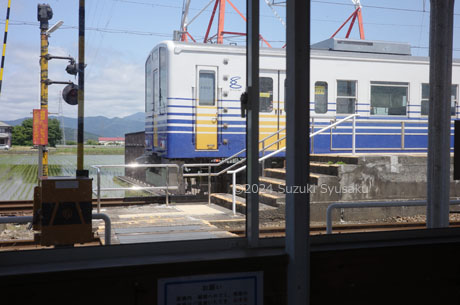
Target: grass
[[18, 172], [69, 150], [338, 162]]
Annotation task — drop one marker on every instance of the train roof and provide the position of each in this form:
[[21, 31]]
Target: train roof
[[338, 48]]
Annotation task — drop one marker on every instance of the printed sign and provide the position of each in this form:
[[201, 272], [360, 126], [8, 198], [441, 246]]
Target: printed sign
[[230, 289], [320, 90], [40, 127]]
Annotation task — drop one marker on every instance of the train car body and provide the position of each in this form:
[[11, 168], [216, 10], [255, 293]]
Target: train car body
[[193, 98]]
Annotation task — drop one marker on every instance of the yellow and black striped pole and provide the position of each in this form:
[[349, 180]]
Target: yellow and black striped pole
[[81, 89], [43, 151], [4, 43]]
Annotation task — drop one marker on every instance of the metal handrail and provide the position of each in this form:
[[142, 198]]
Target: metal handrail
[[374, 204], [167, 187], [232, 156], [398, 130], [234, 172], [209, 174]]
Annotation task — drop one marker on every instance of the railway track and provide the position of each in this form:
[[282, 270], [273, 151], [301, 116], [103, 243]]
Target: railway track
[[268, 232], [24, 207]]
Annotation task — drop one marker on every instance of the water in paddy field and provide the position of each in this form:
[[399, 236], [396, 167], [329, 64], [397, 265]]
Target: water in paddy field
[[18, 173]]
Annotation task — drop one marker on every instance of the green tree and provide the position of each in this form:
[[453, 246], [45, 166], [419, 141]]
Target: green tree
[[23, 134], [54, 132], [91, 142]]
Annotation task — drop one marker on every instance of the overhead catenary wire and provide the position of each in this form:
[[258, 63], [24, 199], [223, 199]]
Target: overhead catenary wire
[[144, 33], [283, 3]]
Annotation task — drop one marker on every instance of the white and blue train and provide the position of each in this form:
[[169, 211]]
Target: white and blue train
[[192, 98]]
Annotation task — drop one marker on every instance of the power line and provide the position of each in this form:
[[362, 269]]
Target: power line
[[365, 6], [178, 7], [105, 30], [145, 33]]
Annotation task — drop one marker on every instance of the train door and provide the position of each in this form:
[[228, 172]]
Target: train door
[[268, 122], [206, 108]]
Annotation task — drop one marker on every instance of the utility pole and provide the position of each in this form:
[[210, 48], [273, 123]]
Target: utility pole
[[81, 90], [45, 13]]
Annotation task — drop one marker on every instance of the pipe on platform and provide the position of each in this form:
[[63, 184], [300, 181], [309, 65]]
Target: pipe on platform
[[108, 226], [16, 219], [27, 219]]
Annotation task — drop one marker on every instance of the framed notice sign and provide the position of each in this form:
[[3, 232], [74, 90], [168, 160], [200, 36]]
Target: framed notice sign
[[230, 288], [40, 127]]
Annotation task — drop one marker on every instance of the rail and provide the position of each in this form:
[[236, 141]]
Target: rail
[[274, 153], [374, 204], [27, 219], [166, 188]]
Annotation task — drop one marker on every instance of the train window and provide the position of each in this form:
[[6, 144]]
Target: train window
[[321, 97], [148, 86], [346, 96], [389, 98], [426, 98], [266, 94], [285, 94], [163, 78], [207, 88], [156, 91], [454, 100]]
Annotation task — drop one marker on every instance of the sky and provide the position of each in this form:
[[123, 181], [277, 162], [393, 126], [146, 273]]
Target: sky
[[121, 33]]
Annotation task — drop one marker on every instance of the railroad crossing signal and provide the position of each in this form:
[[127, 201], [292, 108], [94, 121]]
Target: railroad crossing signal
[[70, 94]]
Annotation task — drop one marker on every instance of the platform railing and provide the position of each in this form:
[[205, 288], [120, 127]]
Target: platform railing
[[276, 152], [166, 188], [400, 129], [209, 166], [372, 204]]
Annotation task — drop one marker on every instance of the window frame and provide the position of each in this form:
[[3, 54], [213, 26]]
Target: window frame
[[327, 97], [355, 96], [381, 83], [270, 92], [455, 101], [214, 93]]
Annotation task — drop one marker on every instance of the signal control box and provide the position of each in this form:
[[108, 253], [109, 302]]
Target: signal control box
[[63, 210]]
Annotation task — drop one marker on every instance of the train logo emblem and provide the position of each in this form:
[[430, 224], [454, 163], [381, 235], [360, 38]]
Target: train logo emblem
[[234, 82]]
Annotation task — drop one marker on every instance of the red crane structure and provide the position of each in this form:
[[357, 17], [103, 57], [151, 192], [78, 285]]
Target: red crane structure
[[219, 6], [357, 14], [219, 36]]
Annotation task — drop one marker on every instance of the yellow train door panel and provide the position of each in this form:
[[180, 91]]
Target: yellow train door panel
[[206, 111], [268, 121]]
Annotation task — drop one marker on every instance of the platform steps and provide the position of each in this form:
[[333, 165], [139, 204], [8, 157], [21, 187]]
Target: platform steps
[[272, 185]]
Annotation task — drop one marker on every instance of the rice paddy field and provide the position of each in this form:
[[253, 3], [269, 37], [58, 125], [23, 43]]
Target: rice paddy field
[[18, 173]]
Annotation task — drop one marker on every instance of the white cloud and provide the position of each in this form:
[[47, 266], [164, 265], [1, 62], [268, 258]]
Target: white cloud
[[114, 87]]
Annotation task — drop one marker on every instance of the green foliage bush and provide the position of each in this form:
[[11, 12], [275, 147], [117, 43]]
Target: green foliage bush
[[23, 134]]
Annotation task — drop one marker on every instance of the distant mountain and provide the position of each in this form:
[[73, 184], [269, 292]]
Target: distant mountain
[[71, 135], [102, 126]]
